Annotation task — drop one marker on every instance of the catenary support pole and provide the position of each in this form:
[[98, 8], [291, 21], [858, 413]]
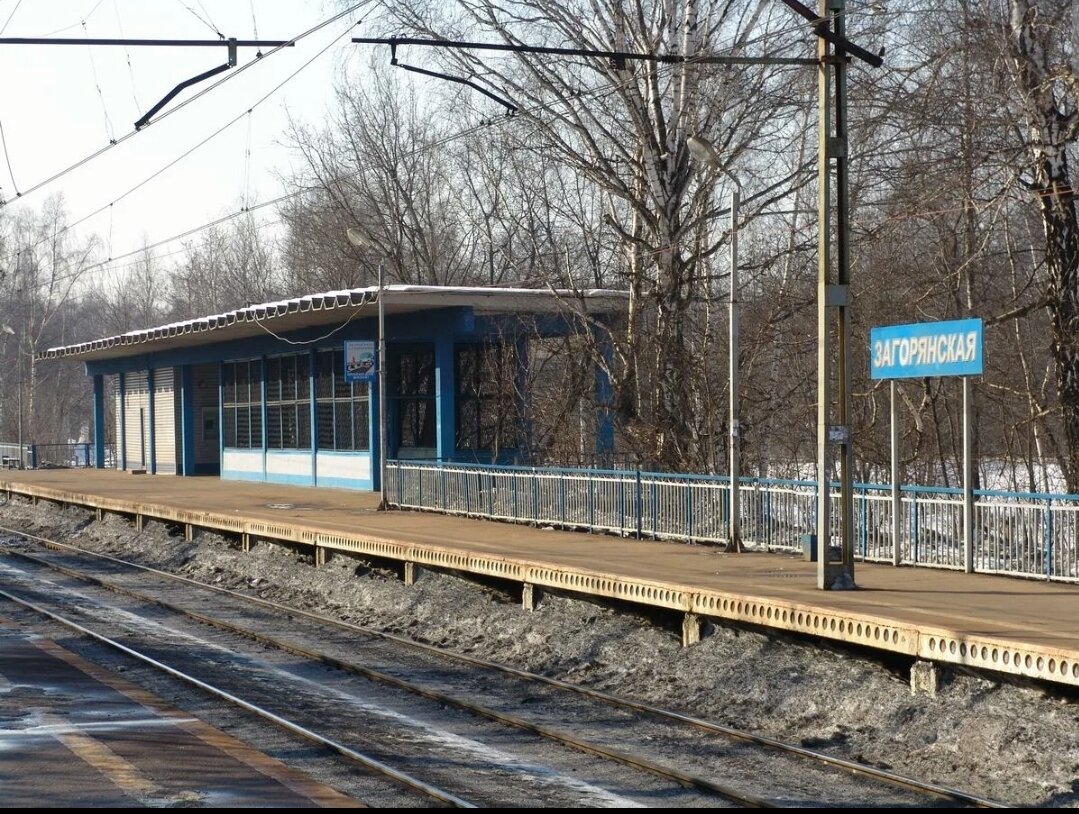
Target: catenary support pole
[[382, 362], [833, 299], [833, 308]]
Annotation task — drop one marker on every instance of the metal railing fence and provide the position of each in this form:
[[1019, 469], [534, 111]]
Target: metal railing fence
[[43, 456], [1015, 533]]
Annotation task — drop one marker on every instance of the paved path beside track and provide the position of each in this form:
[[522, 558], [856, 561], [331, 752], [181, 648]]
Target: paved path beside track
[[1017, 626]]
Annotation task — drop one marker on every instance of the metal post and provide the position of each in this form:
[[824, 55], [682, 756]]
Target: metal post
[[382, 445], [832, 146], [22, 451], [734, 535], [968, 479], [99, 424], [897, 503]]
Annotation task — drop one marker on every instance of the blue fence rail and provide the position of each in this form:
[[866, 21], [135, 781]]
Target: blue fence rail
[[1019, 534]]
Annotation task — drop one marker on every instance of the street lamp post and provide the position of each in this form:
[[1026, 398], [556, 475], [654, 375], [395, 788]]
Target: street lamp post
[[7, 329], [701, 149], [360, 240]]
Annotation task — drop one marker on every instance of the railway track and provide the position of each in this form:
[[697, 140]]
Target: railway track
[[406, 656]]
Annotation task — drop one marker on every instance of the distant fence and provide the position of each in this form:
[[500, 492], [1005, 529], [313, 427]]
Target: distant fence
[[53, 456], [1015, 533]]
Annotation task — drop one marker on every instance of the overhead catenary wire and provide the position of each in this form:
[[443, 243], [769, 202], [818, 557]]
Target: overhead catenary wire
[[254, 25], [204, 20], [190, 100], [127, 54], [7, 158], [110, 132], [540, 108], [85, 18], [207, 139], [97, 153], [596, 92], [7, 22], [247, 165]]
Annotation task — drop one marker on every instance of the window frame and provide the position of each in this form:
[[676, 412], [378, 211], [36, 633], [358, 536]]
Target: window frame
[[348, 403], [249, 406], [489, 404], [288, 402]]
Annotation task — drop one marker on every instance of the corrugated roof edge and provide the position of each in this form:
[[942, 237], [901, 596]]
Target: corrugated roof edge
[[309, 302]]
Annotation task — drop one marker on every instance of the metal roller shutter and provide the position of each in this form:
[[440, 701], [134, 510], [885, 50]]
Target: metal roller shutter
[[137, 420], [117, 411], [164, 421]]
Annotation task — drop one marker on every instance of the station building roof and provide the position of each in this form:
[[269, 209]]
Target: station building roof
[[333, 306]]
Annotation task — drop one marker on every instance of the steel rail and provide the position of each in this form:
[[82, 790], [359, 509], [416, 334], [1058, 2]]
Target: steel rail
[[892, 778], [642, 764], [295, 728]]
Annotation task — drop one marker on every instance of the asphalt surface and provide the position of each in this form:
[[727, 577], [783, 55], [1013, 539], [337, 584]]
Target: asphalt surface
[[73, 734]]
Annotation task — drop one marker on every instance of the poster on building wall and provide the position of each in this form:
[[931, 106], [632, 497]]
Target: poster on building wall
[[359, 360]]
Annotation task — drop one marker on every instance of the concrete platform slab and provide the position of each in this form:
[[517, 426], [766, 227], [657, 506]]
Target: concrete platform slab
[[1021, 627]]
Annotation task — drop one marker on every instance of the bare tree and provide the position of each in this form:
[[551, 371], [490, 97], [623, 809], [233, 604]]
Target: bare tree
[[1047, 81]]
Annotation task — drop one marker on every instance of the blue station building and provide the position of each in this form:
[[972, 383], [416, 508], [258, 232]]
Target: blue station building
[[268, 392]]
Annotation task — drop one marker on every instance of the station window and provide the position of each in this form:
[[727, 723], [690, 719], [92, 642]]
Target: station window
[[241, 404], [487, 414], [288, 402], [414, 390], [342, 407]]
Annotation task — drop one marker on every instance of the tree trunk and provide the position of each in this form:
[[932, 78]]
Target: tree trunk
[[1052, 125]]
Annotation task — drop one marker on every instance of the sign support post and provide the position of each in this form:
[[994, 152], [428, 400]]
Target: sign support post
[[365, 362], [897, 502], [968, 480], [921, 351]]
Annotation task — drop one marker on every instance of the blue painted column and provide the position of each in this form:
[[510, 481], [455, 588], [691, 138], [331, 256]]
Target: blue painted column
[[221, 417], [99, 422], [445, 398], [604, 395], [313, 371], [187, 422], [152, 466], [373, 433], [265, 412], [122, 440], [524, 403]]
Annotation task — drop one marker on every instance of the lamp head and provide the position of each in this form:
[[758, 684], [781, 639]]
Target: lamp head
[[358, 238], [702, 150]]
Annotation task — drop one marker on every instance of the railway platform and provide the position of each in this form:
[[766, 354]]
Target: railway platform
[[1015, 626]]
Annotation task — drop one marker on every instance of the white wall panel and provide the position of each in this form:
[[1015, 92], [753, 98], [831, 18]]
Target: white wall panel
[[355, 466], [288, 463], [248, 462]]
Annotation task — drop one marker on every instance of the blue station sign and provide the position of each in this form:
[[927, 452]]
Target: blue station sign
[[926, 349]]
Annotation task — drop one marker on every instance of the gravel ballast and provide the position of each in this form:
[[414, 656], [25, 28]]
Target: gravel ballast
[[1015, 743]]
